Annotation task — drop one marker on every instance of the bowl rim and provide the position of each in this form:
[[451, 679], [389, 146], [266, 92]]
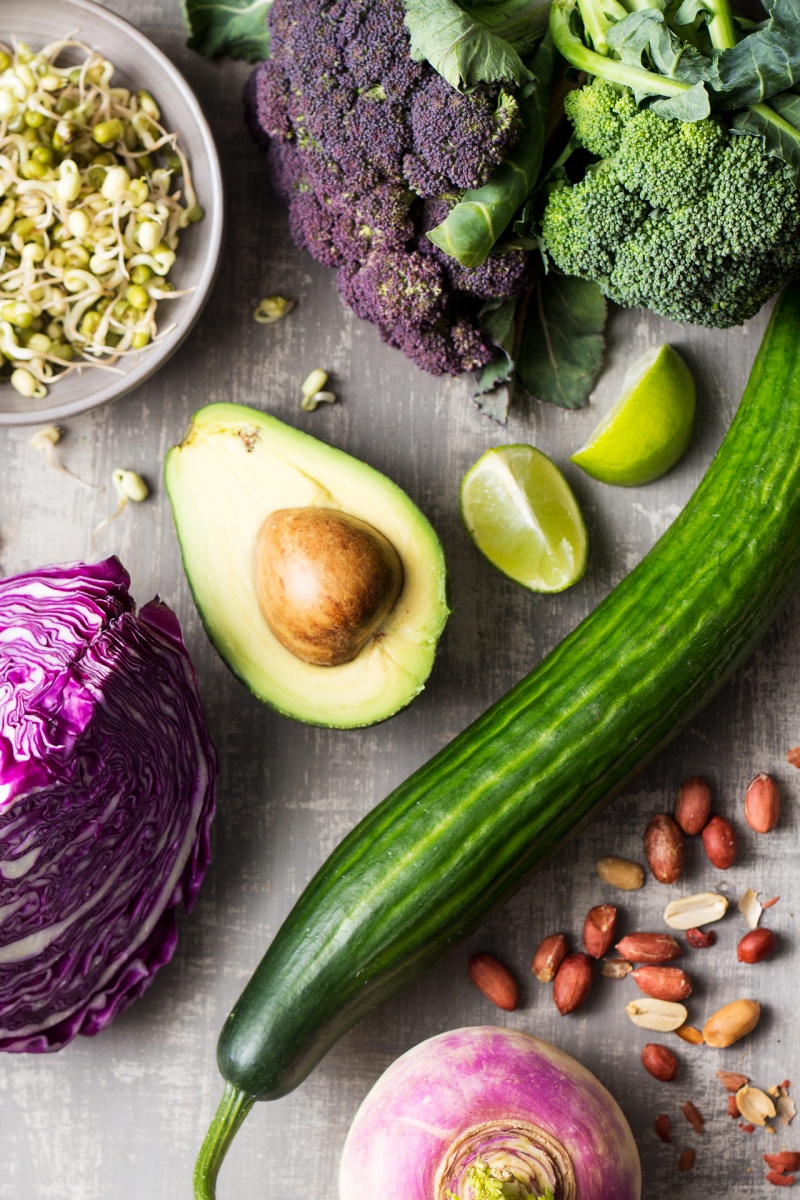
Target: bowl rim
[[214, 215]]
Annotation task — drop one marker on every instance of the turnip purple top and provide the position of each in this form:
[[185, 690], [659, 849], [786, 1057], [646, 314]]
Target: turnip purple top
[[492, 1096], [106, 798]]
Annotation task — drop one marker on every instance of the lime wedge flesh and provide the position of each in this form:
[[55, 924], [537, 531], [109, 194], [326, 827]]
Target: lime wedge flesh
[[649, 427], [520, 512]]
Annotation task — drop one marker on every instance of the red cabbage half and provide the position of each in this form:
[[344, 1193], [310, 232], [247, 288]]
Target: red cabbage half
[[106, 798]]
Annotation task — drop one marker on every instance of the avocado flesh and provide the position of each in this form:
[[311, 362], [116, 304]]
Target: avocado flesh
[[237, 465]]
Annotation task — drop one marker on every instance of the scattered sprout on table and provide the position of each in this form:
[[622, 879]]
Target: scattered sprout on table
[[313, 393], [46, 439], [272, 309], [90, 218], [129, 487]]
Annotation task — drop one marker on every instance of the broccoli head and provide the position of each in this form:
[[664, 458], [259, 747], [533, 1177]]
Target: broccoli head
[[360, 138], [690, 219]]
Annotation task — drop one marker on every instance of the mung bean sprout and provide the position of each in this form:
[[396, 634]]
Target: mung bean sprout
[[90, 214]]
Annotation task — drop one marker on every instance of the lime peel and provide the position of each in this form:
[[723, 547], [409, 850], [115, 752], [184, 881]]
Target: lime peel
[[521, 514], [648, 429]]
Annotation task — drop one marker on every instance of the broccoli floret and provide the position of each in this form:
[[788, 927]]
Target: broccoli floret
[[358, 135], [598, 113], [692, 220]]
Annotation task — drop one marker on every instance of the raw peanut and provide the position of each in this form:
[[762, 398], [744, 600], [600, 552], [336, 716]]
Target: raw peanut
[[663, 848], [693, 1116], [691, 1035], [693, 804], [548, 958], [733, 1107], [494, 980], [719, 841], [785, 1160], [692, 911], [700, 940], [732, 1081], [620, 873], [663, 983], [754, 1105], [654, 948], [780, 1180], [599, 929], [686, 1160], [616, 968], [756, 945], [660, 1015], [660, 1062], [793, 756], [731, 1022], [663, 1127], [762, 804], [572, 983]]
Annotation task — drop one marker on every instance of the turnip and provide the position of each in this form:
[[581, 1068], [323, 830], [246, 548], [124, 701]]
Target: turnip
[[489, 1114]]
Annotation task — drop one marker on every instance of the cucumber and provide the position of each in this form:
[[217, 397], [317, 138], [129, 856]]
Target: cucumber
[[449, 845]]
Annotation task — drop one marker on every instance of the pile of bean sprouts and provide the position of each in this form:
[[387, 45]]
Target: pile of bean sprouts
[[90, 215]]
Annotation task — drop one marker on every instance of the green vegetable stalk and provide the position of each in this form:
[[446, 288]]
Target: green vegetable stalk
[[473, 226]]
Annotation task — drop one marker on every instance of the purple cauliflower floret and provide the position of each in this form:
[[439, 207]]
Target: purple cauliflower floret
[[458, 140], [358, 136]]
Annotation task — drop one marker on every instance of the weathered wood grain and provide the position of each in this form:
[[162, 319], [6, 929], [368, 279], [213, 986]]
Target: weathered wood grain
[[121, 1117]]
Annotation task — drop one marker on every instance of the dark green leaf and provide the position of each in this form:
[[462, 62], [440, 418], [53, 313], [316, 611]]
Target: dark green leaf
[[644, 39], [765, 61], [561, 353], [234, 27], [692, 105], [492, 394], [464, 51], [779, 124]]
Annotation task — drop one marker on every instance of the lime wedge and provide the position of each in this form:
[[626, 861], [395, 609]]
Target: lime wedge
[[520, 512], [649, 427]]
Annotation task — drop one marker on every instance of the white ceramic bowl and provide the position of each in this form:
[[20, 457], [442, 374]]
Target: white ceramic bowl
[[139, 64]]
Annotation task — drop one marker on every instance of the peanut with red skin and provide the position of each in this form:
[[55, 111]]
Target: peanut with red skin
[[494, 980], [549, 956], [733, 1107], [663, 983], [693, 805], [686, 1160], [599, 929], [663, 1127], [649, 948], [757, 945], [663, 848], [660, 1062], [762, 803], [572, 983], [719, 840]]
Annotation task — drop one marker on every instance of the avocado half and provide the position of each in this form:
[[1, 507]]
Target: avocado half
[[234, 468]]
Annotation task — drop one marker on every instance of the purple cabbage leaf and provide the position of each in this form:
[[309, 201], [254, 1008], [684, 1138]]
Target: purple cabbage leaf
[[107, 780]]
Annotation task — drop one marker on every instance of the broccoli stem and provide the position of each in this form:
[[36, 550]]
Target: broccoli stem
[[578, 55], [597, 20], [721, 28], [471, 228], [521, 23]]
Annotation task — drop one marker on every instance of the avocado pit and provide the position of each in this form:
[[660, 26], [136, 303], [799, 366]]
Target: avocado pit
[[325, 581]]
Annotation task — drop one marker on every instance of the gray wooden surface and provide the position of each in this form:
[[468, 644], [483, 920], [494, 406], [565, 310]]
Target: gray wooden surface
[[120, 1117]]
